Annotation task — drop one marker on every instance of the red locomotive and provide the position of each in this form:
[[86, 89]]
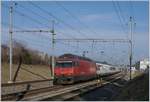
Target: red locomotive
[[72, 68]]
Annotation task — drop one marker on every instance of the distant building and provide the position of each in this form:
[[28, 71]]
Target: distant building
[[133, 70], [144, 64]]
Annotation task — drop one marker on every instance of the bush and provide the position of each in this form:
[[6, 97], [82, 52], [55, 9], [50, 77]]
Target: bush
[[28, 56]]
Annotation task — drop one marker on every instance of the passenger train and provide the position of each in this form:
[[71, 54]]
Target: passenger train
[[71, 68]]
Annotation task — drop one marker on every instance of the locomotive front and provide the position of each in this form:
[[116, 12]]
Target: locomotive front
[[64, 71]]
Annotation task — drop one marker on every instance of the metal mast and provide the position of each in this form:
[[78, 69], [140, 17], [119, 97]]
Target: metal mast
[[53, 44], [130, 42], [10, 42]]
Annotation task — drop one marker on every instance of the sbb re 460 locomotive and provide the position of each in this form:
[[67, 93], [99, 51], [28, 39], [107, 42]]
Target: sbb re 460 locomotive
[[71, 68]]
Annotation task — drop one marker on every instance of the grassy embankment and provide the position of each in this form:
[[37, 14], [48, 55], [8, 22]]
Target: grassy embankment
[[136, 90], [26, 72]]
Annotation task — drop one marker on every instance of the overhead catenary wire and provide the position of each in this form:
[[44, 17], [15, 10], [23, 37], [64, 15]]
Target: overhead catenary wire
[[16, 28], [44, 18], [42, 22], [59, 20], [25, 39], [32, 41], [64, 33], [47, 20], [121, 12], [32, 19], [69, 45], [33, 45], [6, 24], [75, 17], [132, 10], [120, 18], [24, 15], [35, 13], [36, 21]]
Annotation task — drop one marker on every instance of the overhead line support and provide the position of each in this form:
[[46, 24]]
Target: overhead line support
[[52, 39], [10, 42], [94, 40], [130, 41]]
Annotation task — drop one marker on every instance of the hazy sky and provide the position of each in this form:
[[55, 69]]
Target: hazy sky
[[93, 19]]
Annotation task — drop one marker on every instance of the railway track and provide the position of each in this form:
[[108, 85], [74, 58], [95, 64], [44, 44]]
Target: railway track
[[25, 82], [20, 95], [9, 88], [74, 93], [59, 92]]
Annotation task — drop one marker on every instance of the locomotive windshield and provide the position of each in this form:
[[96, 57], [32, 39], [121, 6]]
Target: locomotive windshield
[[64, 64]]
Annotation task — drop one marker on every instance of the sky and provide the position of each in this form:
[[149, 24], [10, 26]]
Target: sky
[[81, 19]]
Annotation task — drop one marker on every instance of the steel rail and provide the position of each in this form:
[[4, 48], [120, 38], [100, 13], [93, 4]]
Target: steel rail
[[14, 96], [24, 82]]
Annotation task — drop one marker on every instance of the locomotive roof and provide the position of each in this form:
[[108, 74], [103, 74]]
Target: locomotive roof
[[73, 57]]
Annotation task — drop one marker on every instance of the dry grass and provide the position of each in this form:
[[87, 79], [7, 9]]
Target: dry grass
[[136, 74], [26, 72]]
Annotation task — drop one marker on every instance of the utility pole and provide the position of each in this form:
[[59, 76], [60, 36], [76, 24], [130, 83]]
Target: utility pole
[[10, 42], [53, 48], [130, 42]]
